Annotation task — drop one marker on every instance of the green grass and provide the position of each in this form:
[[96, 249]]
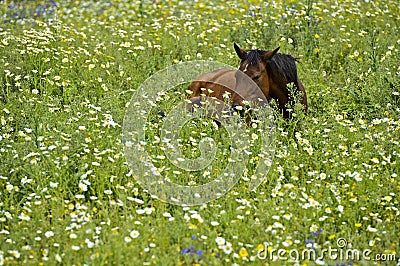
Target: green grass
[[68, 197]]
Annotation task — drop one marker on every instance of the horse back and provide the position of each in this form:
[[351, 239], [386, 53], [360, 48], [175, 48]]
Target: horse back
[[215, 84]]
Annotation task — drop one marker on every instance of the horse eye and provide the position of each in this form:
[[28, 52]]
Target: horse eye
[[256, 78]]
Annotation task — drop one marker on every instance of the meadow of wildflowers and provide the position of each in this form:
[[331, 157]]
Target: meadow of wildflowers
[[68, 70]]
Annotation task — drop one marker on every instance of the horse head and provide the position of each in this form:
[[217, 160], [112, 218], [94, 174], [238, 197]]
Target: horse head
[[253, 64], [272, 72]]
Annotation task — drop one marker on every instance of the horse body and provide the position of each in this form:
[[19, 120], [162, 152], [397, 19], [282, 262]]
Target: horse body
[[223, 83], [215, 84]]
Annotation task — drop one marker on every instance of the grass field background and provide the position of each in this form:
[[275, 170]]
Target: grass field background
[[68, 70]]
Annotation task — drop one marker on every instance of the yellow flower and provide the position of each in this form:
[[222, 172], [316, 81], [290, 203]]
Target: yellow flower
[[358, 225], [388, 198], [192, 226], [316, 50], [243, 253], [260, 247], [316, 36]]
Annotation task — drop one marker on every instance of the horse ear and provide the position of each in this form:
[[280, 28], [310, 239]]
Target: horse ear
[[268, 55], [241, 53]]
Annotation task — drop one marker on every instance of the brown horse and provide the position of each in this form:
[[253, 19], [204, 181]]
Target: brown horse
[[271, 71]]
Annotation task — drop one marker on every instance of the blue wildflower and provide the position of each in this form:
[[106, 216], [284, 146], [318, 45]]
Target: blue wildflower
[[309, 241]]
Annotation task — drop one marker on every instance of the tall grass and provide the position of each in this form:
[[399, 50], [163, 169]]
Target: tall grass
[[67, 74]]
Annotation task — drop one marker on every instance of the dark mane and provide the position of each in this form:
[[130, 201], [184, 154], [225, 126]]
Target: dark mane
[[253, 56], [283, 66]]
